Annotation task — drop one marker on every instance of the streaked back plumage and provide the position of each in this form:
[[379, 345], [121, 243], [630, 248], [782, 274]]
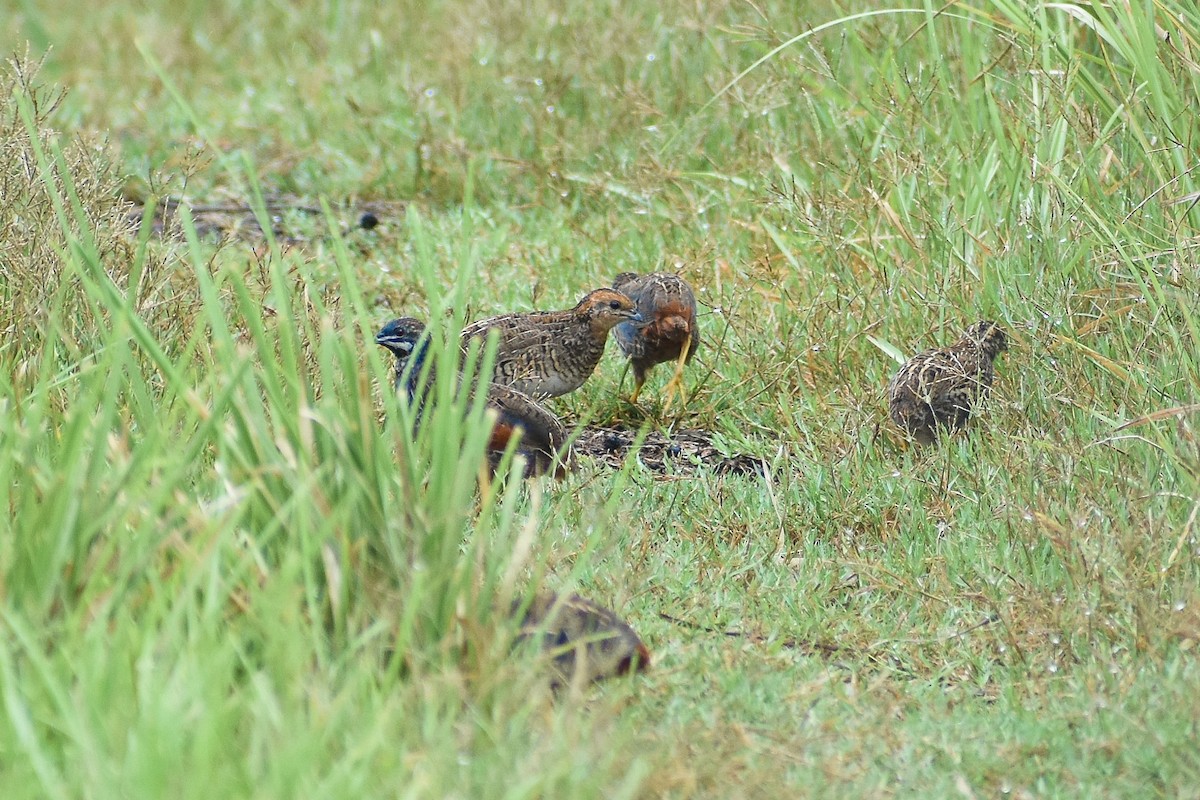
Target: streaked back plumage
[[937, 390], [543, 437], [552, 353], [586, 641]]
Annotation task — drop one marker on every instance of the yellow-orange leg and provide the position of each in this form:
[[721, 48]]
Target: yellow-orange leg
[[637, 385], [676, 382], [637, 390]]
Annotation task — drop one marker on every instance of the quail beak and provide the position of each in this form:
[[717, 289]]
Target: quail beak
[[399, 347], [637, 318]]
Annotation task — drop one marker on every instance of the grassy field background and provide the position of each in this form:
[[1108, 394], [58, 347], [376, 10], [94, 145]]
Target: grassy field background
[[227, 572]]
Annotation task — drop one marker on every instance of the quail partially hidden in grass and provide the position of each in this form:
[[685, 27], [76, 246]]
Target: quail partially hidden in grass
[[586, 641], [543, 438], [936, 391], [668, 330], [551, 353]]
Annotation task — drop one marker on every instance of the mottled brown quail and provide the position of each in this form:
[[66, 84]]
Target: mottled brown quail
[[543, 440], [551, 353], [586, 641], [668, 330], [936, 391]]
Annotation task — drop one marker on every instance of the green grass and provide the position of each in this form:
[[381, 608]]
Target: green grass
[[228, 570]]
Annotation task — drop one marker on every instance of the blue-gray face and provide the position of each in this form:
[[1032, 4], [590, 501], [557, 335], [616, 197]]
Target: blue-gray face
[[400, 336]]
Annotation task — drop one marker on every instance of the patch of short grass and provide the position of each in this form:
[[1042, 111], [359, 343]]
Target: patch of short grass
[[225, 556]]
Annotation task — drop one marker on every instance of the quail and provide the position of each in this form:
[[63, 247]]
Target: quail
[[551, 353], [586, 641], [668, 330], [937, 390], [543, 440]]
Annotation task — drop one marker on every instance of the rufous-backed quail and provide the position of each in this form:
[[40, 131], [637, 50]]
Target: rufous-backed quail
[[668, 331]]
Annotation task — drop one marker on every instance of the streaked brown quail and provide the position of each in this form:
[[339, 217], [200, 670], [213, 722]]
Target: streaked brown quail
[[585, 640], [936, 391], [543, 440], [551, 353]]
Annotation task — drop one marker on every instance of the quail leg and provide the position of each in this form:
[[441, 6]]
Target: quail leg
[[638, 380], [676, 382], [637, 390]]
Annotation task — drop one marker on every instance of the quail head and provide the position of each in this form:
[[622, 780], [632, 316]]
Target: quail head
[[936, 391], [586, 641], [668, 331], [543, 440], [552, 353]]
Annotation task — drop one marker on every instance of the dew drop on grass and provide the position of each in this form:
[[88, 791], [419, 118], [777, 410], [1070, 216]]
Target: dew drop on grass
[[641, 212], [538, 82], [430, 92], [1180, 605], [652, 128], [1052, 667], [549, 109], [651, 57], [1055, 639]]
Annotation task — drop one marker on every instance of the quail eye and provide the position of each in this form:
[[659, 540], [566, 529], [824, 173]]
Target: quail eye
[[614, 305]]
